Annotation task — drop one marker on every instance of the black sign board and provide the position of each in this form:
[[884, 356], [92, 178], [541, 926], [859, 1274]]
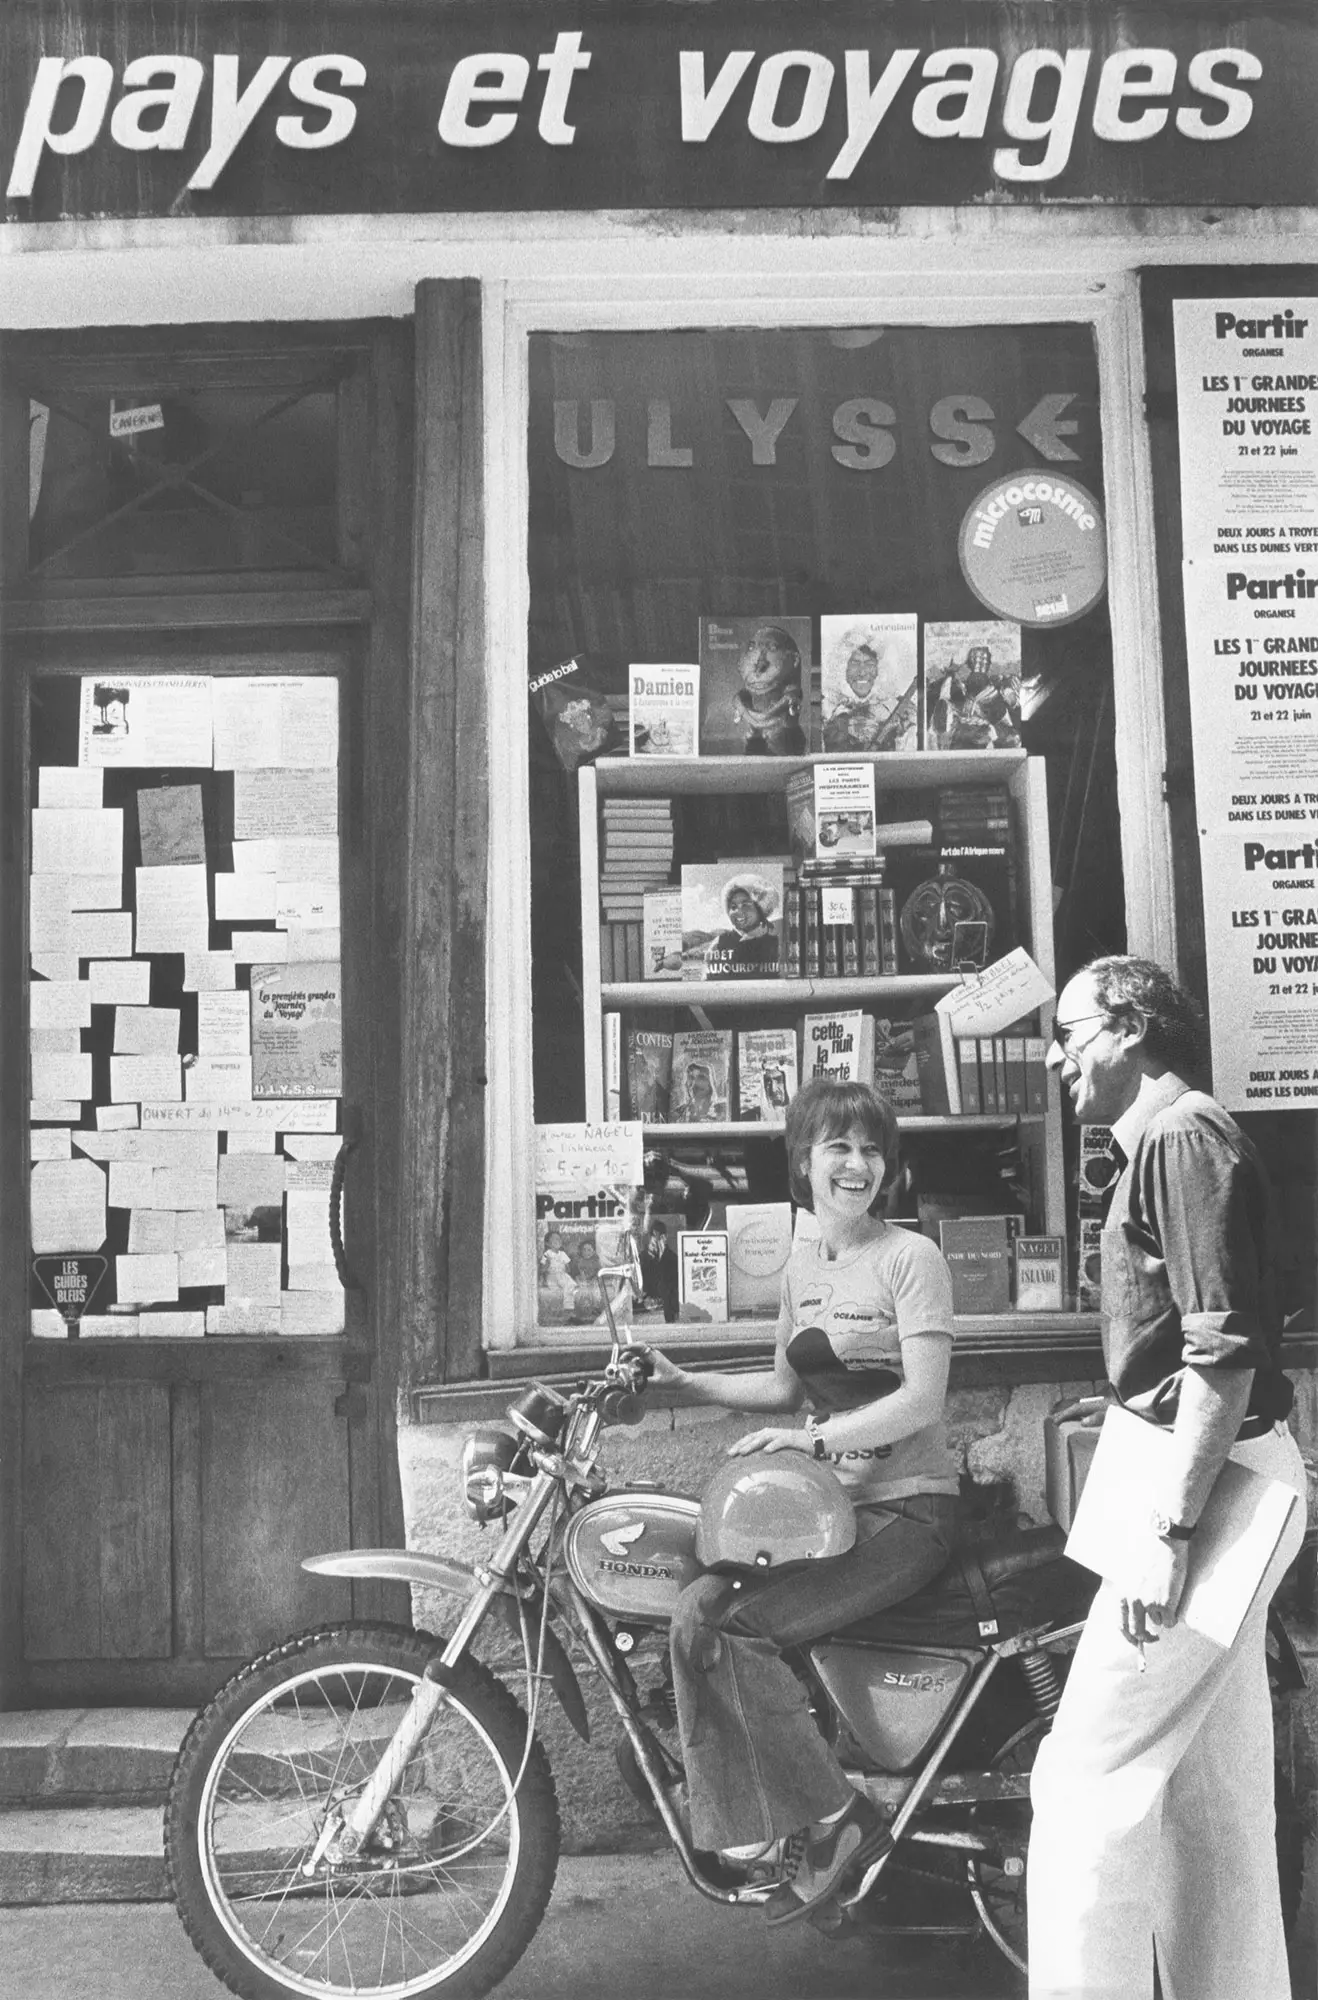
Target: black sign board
[[273, 107], [70, 1283]]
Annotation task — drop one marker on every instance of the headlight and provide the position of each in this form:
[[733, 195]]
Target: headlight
[[486, 1457]]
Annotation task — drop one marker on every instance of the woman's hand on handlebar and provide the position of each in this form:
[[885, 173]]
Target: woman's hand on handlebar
[[774, 1437], [664, 1372]]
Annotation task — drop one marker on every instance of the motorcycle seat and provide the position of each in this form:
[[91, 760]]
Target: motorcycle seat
[[950, 1607]]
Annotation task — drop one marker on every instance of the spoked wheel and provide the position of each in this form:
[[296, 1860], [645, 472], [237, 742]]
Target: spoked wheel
[[450, 1888], [997, 1887]]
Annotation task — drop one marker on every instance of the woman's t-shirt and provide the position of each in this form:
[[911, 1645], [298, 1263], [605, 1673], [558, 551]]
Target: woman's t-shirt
[[849, 1320]]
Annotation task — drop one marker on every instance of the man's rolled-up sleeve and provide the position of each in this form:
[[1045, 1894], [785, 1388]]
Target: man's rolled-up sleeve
[[1206, 1202]]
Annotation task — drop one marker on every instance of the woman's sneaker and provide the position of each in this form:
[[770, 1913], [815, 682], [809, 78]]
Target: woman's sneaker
[[829, 1855]]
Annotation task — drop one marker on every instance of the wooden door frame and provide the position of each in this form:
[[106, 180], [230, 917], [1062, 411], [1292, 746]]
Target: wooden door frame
[[405, 1127]]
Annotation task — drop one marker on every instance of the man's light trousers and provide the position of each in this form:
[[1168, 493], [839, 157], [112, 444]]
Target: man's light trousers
[[1153, 1807]]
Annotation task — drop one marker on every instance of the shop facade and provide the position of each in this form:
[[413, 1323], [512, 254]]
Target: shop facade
[[356, 385]]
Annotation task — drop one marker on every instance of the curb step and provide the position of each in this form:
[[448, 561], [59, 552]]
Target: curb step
[[107, 1756], [82, 1854]]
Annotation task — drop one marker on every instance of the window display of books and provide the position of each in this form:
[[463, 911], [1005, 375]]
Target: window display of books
[[795, 903]]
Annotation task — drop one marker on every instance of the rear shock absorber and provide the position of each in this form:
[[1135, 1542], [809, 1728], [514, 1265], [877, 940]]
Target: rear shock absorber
[[1040, 1670]]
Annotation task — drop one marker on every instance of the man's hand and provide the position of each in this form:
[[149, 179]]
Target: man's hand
[[773, 1438], [1086, 1410], [1152, 1591]]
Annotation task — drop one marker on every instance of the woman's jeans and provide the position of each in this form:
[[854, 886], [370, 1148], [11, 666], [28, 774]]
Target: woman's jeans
[[756, 1765]]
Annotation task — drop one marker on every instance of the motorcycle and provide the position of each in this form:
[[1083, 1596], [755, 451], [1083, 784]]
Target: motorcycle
[[367, 1809]]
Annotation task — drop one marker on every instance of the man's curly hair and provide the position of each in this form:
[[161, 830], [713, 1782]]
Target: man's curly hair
[[1175, 1031]]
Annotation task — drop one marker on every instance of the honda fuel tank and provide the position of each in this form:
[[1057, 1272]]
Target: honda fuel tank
[[631, 1554]]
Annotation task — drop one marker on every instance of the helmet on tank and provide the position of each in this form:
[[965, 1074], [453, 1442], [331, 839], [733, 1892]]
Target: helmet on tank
[[774, 1508]]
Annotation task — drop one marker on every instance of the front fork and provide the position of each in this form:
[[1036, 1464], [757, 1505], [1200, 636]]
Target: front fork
[[362, 1816]]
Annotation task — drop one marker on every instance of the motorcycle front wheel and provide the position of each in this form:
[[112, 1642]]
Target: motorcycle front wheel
[[450, 1889]]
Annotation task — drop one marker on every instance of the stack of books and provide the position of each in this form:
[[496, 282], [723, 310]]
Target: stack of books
[[847, 922], [635, 855]]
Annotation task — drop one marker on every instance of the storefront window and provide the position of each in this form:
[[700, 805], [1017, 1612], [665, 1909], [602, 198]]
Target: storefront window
[[814, 519]]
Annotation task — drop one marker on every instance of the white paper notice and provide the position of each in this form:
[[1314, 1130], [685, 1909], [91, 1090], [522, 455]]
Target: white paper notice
[[155, 1148], [60, 1004], [253, 1273], [118, 982], [217, 1079], [146, 1280], [133, 1078], [265, 1114], [160, 1325], [51, 897], [311, 1313], [151, 1232], [1252, 648], [207, 1264], [115, 1117], [183, 1187], [55, 1041], [1245, 370], [223, 1024], [991, 1000], [145, 721], [292, 860], [251, 1180], [244, 898], [62, 1076], [55, 964], [67, 841], [68, 1206], [292, 721], [49, 1143], [102, 934], [1261, 934], [207, 971], [53, 1111], [243, 1319], [277, 804], [64, 785], [172, 909], [131, 1184], [146, 1031], [260, 947], [312, 905]]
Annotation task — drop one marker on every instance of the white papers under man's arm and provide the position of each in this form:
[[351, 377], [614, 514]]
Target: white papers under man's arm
[[1235, 1538], [991, 1000]]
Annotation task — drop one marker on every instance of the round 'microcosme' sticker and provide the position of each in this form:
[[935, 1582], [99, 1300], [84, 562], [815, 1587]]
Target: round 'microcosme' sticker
[[1032, 547]]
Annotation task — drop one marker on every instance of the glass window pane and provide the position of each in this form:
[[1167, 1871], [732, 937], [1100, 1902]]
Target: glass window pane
[[145, 483], [797, 477]]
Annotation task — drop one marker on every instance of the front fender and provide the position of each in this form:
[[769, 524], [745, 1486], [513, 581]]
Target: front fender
[[443, 1573]]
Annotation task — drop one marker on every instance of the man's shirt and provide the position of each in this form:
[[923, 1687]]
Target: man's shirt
[[1187, 1279]]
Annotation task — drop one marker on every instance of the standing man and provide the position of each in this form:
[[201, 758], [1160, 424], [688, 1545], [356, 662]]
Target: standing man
[[1153, 1794]]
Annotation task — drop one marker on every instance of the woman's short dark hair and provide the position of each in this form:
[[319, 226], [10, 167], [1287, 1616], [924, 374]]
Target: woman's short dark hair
[[1175, 1031], [823, 1109]]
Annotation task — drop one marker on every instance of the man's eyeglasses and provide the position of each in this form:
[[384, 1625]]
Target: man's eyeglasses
[[1063, 1031]]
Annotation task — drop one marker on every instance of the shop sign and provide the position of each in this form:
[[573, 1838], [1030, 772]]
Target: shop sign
[[70, 1283], [1032, 548], [1247, 394], [415, 108]]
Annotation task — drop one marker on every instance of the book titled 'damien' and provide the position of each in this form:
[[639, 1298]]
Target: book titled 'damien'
[[1232, 1550]]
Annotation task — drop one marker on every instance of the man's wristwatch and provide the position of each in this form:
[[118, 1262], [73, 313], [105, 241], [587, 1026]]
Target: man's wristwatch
[[1168, 1530], [812, 1431]]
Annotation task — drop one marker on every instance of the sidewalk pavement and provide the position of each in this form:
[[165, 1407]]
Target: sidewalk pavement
[[617, 1925]]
